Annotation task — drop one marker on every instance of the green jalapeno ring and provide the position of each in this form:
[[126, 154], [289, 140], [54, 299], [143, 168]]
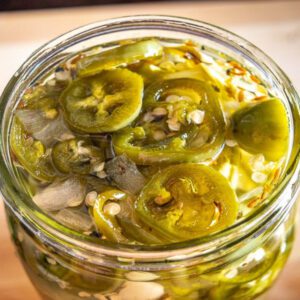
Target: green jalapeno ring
[[115, 57], [103, 103], [105, 222], [187, 201], [163, 154], [182, 147], [30, 153], [263, 128], [75, 156], [43, 98], [182, 86]]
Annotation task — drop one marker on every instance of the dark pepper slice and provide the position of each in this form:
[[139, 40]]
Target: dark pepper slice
[[187, 201], [103, 103], [263, 128], [193, 142], [120, 226], [41, 97], [31, 153], [105, 221], [76, 156], [115, 57]]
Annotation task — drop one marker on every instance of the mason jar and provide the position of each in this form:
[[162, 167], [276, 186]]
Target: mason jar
[[240, 262]]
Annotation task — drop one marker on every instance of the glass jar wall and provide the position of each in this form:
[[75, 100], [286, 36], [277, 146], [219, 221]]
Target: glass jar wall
[[239, 262]]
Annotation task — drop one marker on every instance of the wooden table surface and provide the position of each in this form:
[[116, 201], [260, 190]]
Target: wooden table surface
[[274, 26]]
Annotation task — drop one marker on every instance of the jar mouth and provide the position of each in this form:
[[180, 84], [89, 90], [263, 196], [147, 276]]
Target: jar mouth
[[37, 221]]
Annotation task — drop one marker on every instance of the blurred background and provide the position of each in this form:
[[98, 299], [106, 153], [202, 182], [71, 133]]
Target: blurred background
[[274, 26], [37, 4], [7, 5]]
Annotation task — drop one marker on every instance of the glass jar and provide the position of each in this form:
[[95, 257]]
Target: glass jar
[[240, 262]]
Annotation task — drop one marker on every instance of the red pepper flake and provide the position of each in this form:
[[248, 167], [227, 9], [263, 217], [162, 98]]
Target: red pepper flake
[[234, 64], [255, 79], [236, 70], [192, 56], [254, 202], [77, 58], [259, 199], [267, 189], [241, 96], [21, 104], [276, 176], [190, 43], [260, 98], [229, 91]]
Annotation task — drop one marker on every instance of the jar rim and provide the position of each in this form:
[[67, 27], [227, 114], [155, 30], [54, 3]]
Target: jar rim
[[68, 240]]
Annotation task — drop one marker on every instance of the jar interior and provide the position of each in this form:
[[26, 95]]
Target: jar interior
[[43, 62]]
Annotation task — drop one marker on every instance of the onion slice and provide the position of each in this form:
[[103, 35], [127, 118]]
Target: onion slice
[[53, 131], [45, 130], [32, 120], [60, 195], [74, 219], [125, 174]]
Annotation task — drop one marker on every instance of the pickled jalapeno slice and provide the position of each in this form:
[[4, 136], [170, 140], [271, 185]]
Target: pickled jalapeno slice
[[116, 220], [42, 97], [104, 213], [115, 57], [31, 153], [187, 201], [103, 103], [76, 156], [182, 121], [263, 128]]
